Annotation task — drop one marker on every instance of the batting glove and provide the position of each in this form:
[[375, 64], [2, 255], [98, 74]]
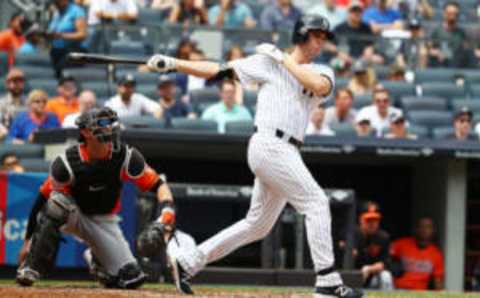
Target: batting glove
[[162, 63], [167, 214], [271, 51]]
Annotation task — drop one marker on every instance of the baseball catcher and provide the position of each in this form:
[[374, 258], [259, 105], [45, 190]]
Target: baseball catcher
[[81, 197]]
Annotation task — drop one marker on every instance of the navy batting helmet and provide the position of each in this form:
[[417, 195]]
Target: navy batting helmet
[[310, 22]]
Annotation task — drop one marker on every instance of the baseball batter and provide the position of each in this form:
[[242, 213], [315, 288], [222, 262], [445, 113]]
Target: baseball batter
[[81, 197], [290, 87]]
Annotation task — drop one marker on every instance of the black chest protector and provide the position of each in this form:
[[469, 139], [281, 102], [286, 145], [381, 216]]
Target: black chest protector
[[97, 185]]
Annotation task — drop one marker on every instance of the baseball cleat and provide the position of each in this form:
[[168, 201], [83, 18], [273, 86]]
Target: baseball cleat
[[340, 291], [26, 276], [180, 276]]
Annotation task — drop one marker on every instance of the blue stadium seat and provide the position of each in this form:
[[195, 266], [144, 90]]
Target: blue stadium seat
[[431, 119], [48, 85], [343, 129], [24, 150], [142, 122], [149, 90], [140, 77], [148, 16], [473, 105], [421, 131], [440, 133], [435, 75], [472, 76], [101, 89], [37, 72], [475, 90], [40, 60], [399, 89], [413, 103], [447, 90], [127, 48], [361, 101], [341, 82], [240, 127], [35, 165], [185, 124], [83, 74], [381, 72], [3, 63], [250, 97], [209, 95]]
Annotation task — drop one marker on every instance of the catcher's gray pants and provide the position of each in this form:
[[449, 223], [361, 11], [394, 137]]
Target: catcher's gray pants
[[281, 177], [103, 235]]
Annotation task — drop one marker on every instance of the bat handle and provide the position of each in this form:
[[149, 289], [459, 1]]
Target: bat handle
[[161, 64]]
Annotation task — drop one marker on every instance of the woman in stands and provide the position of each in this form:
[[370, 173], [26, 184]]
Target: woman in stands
[[187, 12]]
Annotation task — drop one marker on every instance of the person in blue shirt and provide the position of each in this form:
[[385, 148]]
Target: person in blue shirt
[[227, 109], [281, 15], [67, 31], [33, 38], [231, 14], [381, 17], [171, 106], [26, 123]]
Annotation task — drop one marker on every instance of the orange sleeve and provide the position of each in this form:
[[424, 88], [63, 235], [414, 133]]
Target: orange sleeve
[[145, 181], [438, 267], [5, 43], [49, 185], [395, 249]]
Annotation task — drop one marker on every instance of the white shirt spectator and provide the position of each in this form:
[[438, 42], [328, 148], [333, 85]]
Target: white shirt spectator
[[323, 131], [380, 124], [331, 117], [112, 7], [139, 105], [69, 121]]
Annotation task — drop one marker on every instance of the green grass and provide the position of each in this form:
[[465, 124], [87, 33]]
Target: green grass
[[205, 289]]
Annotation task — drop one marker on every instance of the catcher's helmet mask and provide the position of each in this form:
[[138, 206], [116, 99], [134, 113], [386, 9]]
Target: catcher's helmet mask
[[308, 23], [97, 121]]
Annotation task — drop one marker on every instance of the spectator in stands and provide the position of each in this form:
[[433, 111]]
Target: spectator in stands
[[67, 31], [128, 103], [164, 5], [328, 9], [66, 102], [422, 260], [187, 13], [398, 128], [86, 101], [462, 125], [227, 109], [235, 52], [10, 163], [381, 17], [396, 72], [171, 107], [414, 51], [26, 123], [317, 125], [31, 46], [112, 10], [14, 99], [354, 38], [448, 41], [363, 80], [380, 111], [371, 249], [231, 14], [12, 38], [280, 15], [342, 112], [411, 8], [363, 127]]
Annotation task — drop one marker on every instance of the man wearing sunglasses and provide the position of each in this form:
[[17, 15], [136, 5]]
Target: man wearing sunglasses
[[81, 197], [291, 86]]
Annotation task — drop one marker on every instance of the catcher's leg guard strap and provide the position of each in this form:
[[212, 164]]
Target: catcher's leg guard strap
[[327, 271]]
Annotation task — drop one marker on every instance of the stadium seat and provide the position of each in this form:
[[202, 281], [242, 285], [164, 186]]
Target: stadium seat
[[149, 90], [246, 37], [140, 77], [447, 90], [475, 89], [35, 165], [39, 60], [343, 129], [47, 85], [3, 64], [413, 103], [37, 72], [147, 16], [399, 89], [24, 150], [421, 131], [473, 105], [431, 119], [240, 127], [435, 75], [83, 74], [381, 72], [209, 95], [101, 89], [142, 122], [200, 107], [361, 101], [186, 124], [440, 133], [472, 76], [250, 97], [127, 48], [341, 82]]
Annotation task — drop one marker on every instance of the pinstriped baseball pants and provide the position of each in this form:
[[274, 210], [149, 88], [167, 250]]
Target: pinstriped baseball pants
[[281, 177]]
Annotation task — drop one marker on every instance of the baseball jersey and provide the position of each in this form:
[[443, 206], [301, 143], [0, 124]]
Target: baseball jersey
[[139, 105], [380, 124], [419, 264], [282, 103]]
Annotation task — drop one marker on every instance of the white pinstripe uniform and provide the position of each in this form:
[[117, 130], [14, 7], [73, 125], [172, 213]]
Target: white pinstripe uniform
[[281, 175]]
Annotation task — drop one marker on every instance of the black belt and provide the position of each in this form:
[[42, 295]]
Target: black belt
[[280, 133]]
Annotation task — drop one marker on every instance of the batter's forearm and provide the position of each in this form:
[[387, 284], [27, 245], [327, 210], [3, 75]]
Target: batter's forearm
[[164, 193], [318, 84], [202, 69]]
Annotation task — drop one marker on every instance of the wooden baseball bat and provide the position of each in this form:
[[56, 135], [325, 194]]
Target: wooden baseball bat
[[84, 58]]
